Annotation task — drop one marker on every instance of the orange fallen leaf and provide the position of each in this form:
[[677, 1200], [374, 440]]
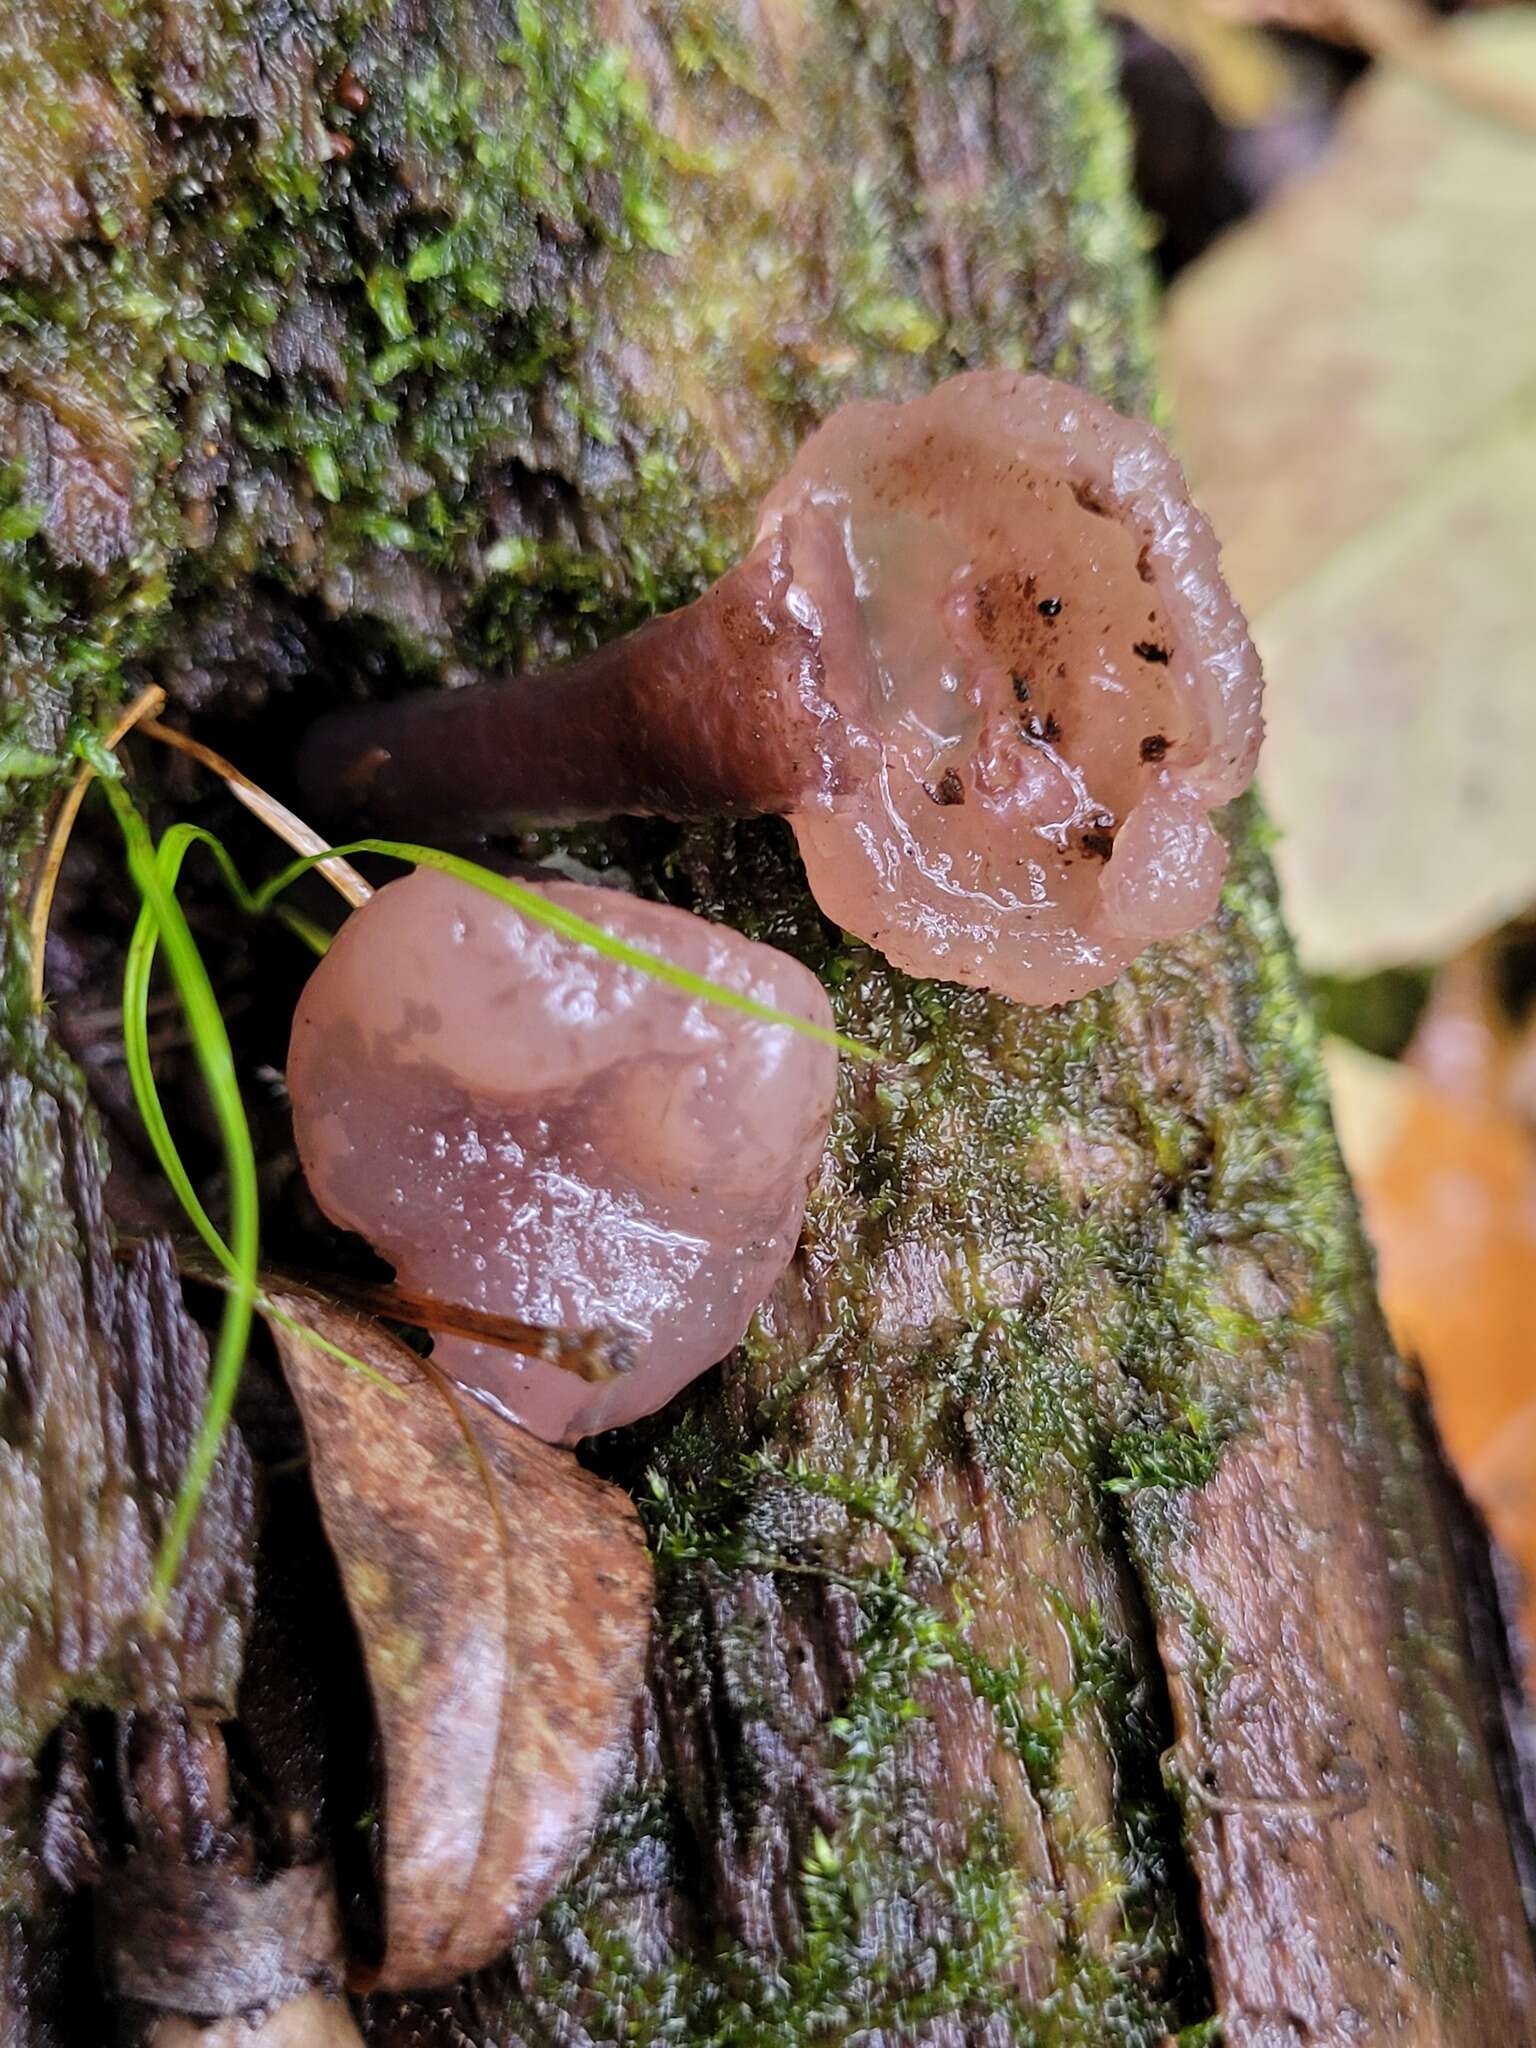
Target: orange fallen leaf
[[1448, 1189]]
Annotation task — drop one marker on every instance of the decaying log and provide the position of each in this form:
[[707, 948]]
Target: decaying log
[[102, 1376], [1060, 1634]]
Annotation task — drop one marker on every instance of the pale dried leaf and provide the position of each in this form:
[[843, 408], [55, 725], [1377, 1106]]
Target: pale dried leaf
[[1410, 33], [502, 1595], [313, 2021], [1354, 378], [1372, 1099]]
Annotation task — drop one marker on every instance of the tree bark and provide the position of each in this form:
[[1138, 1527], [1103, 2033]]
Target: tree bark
[[1060, 1633]]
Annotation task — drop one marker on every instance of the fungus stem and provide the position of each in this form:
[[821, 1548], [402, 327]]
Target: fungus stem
[[725, 708]]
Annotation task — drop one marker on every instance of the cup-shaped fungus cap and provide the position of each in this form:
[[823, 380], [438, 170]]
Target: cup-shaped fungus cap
[[982, 656], [1063, 686], [526, 1127]]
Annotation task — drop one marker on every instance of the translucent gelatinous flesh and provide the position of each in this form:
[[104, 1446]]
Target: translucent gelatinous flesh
[[523, 1126], [982, 656], [1063, 687]]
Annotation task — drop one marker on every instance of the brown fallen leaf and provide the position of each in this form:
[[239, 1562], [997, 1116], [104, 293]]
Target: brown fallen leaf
[[1471, 1039], [1463, 1042], [1353, 377], [502, 1596]]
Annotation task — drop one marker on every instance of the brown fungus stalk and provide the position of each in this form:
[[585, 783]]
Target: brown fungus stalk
[[981, 654], [525, 1126], [751, 699]]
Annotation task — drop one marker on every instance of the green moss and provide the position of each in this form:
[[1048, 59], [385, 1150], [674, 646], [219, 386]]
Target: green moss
[[1170, 1457], [950, 1947], [1029, 1714], [361, 300]]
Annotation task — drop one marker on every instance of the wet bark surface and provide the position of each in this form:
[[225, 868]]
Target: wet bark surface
[[1059, 1633], [102, 1377]]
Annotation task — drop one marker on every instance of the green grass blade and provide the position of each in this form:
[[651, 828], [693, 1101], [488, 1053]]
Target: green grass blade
[[162, 919], [297, 1327], [172, 852], [569, 926], [313, 935], [137, 973]]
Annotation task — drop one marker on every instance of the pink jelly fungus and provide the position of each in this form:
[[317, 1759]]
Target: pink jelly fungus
[[1064, 686], [981, 654], [525, 1127]]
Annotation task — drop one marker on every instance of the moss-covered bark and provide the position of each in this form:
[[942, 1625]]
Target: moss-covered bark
[[1057, 1640]]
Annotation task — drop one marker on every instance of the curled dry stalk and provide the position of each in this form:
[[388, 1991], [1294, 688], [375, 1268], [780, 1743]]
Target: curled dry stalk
[[145, 705], [277, 817], [596, 1356]]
